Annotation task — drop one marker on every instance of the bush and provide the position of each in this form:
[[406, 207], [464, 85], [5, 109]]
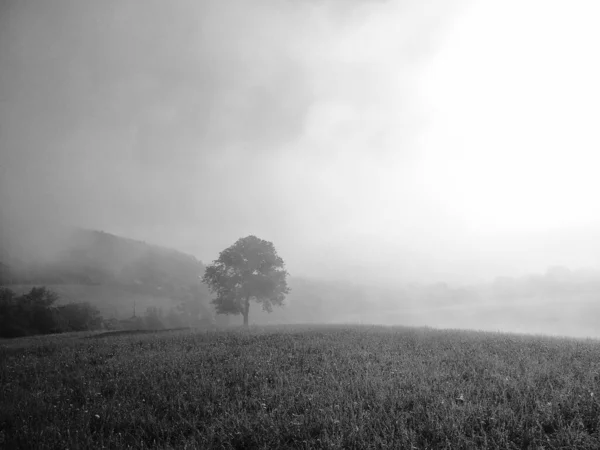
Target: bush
[[79, 317], [34, 313], [153, 319]]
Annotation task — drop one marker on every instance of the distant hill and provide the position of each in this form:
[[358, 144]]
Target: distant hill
[[107, 270], [119, 275]]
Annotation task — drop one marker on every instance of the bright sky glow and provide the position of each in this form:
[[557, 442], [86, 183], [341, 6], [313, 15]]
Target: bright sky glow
[[421, 138], [514, 105]]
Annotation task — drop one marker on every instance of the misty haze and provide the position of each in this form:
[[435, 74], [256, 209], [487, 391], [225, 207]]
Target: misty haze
[[375, 143], [235, 170]]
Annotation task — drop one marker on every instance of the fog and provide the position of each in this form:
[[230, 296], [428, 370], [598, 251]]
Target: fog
[[379, 142]]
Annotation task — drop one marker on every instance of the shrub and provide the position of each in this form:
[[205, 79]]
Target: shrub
[[35, 313]]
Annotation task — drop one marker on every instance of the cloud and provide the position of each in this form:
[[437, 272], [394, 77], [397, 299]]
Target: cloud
[[193, 123]]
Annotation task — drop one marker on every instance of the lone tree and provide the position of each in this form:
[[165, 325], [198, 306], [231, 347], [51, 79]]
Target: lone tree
[[249, 269]]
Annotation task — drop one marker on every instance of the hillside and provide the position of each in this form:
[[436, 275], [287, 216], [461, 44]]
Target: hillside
[[111, 272], [119, 275]]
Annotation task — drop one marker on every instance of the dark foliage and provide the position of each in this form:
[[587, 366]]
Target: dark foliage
[[36, 313], [79, 317], [94, 258], [154, 318], [249, 269]]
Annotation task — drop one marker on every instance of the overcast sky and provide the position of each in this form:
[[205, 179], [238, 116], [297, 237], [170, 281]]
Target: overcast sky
[[421, 139]]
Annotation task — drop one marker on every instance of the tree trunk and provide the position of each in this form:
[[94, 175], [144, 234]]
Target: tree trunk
[[246, 311]]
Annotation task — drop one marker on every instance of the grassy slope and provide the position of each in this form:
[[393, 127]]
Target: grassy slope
[[320, 387]]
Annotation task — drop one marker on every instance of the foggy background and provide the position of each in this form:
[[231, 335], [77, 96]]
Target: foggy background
[[379, 142]]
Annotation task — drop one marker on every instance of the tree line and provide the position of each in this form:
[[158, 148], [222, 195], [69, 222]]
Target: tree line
[[36, 312]]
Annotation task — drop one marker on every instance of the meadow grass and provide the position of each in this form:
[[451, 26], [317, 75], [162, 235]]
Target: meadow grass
[[301, 387]]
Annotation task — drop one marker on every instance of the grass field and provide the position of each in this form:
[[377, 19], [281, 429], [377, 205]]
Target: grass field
[[300, 387]]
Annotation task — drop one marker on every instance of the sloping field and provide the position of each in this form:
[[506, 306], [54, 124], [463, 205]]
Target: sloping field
[[301, 387]]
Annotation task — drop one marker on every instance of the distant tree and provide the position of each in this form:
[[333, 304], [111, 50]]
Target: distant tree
[[110, 324], [195, 305], [174, 319], [10, 325], [79, 317], [153, 318], [36, 309], [249, 269], [35, 313]]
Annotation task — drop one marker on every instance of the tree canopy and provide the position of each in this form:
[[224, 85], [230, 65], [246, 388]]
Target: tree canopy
[[250, 269]]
